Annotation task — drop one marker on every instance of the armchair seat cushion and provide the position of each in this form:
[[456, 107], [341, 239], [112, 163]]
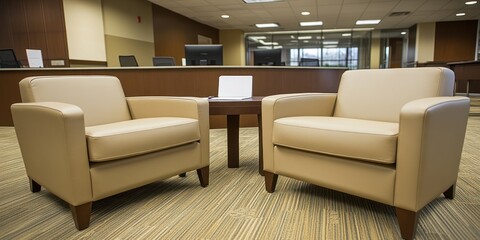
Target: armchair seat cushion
[[139, 136], [367, 140]]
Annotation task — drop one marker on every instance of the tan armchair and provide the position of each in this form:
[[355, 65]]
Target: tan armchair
[[83, 140], [394, 136]]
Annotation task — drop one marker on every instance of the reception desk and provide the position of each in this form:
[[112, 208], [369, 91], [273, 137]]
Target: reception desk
[[201, 81]]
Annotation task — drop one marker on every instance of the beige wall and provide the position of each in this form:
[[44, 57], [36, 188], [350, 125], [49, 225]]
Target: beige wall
[[425, 48], [233, 47], [125, 34], [375, 50], [85, 32]]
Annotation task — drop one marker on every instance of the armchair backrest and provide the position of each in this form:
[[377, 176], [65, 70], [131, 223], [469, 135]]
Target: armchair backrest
[[101, 98], [379, 94]]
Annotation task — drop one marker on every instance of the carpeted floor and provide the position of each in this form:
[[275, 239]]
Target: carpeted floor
[[234, 206]]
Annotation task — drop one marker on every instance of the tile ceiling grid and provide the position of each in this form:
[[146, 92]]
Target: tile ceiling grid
[[335, 14]]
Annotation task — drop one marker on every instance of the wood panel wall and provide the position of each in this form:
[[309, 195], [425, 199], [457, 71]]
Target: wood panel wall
[[172, 31], [455, 41], [183, 81], [34, 24]]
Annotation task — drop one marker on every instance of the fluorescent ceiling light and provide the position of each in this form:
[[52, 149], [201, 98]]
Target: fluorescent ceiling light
[[261, 1], [266, 25], [268, 43], [346, 34], [330, 42], [269, 47], [460, 14], [471, 2], [309, 24], [305, 13], [304, 37], [225, 16], [403, 33], [366, 22], [257, 38]]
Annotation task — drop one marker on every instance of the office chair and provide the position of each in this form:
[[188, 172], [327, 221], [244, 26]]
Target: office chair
[[163, 61], [309, 62], [128, 61]]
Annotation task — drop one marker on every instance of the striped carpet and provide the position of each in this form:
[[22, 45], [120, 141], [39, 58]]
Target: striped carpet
[[234, 206]]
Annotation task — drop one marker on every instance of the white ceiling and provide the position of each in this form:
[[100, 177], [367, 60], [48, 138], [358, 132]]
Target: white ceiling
[[335, 14]]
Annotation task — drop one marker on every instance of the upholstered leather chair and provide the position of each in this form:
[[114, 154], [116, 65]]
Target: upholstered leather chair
[[83, 140], [394, 136]]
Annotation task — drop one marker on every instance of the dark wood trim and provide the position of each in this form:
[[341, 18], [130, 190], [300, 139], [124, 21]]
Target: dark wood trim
[[407, 220], [34, 186], [260, 145], [81, 215], [203, 176], [450, 192], [270, 181]]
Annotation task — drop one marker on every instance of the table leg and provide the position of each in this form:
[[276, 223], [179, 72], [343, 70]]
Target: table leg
[[260, 145], [233, 126], [468, 88]]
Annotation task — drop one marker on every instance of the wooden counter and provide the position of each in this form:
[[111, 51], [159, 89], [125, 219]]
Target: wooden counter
[[467, 76], [201, 81]]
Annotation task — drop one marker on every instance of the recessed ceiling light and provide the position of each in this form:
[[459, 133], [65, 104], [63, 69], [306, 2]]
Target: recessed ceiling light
[[309, 24], [346, 34], [470, 2], [460, 14], [266, 25], [366, 22], [261, 1], [305, 13], [225, 16], [403, 33]]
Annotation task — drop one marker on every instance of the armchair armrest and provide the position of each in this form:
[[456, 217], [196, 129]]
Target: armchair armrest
[[187, 107], [288, 105], [51, 136], [430, 142]]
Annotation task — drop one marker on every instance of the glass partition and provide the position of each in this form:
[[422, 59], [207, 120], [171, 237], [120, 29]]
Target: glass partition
[[325, 48]]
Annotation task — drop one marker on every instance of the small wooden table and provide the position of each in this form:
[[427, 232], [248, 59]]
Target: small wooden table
[[233, 109]]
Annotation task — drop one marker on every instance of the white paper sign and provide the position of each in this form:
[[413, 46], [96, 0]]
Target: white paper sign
[[235, 87], [35, 59]]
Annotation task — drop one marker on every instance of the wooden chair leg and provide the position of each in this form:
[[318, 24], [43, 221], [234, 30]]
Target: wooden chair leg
[[182, 174], [203, 175], [270, 181], [81, 215], [407, 220], [450, 193], [34, 186]]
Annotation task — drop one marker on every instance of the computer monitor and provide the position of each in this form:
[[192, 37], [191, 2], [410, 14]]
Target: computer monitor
[[8, 59], [267, 57], [210, 54], [128, 61]]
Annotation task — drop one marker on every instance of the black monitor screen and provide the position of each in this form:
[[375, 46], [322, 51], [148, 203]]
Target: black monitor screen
[[211, 54], [267, 57], [8, 59], [128, 61]]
